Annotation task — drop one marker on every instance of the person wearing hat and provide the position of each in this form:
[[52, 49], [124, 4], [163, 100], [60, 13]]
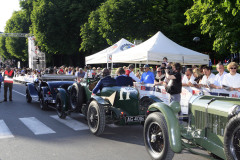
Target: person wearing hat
[[147, 76]]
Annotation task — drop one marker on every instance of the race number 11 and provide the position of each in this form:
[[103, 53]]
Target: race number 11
[[127, 95]]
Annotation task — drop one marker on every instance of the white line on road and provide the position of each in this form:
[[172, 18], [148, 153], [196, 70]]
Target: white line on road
[[36, 126], [5, 131], [74, 124], [19, 93], [23, 95]]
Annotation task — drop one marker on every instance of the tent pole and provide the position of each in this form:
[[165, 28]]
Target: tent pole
[[135, 67], [112, 68]]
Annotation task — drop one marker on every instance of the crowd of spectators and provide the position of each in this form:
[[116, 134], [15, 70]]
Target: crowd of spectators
[[193, 76]]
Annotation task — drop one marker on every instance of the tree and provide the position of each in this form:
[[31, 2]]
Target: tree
[[139, 19], [56, 24], [3, 50], [218, 19], [17, 47], [92, 41]]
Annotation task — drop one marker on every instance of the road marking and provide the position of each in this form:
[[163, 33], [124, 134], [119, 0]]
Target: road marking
[[24, 95], [19, 93], [36, 126], [112, 125], [74, 124], [5, 131]]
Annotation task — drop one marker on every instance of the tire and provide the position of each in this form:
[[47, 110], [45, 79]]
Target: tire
[[96, 118], [59, 107], [156, 137], [76, 97], [43, 104], [232, 138], [28, 97]]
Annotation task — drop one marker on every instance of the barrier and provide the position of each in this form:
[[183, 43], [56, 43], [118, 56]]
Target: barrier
[[187, 92], [25, 79], [160, 92]]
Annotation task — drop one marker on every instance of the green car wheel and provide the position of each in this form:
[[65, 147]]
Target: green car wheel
[[232, 138], [96, 118], [156, 137]]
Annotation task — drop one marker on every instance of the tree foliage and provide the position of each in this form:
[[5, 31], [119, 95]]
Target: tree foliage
[[3, 49], [137, 19], [56, 24], [219, 19], [17, 47]]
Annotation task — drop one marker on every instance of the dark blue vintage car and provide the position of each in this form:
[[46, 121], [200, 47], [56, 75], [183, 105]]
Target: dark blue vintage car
[[45, 90]]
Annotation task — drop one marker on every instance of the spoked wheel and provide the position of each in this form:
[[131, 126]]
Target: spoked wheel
[[43, 105], [96, 118], [156, 137], [59, 107], [232, 138], [235, 143], [28, 97]]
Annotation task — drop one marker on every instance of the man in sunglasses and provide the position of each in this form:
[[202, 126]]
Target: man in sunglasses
[[232, 79], [188, 78], [147, 76]]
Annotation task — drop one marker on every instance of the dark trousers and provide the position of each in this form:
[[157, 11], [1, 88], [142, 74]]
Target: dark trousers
[[6, 86]]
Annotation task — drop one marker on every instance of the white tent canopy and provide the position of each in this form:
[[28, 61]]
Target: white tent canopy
[[105, 55], [154, 49]]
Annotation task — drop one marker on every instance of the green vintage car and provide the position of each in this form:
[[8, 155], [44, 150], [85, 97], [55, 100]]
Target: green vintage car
[[118, 105], [214, 124]]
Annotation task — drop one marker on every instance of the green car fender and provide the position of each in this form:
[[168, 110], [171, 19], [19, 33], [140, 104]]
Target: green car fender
[[172, 124], [64, 98], [99, 100], [104, 102]]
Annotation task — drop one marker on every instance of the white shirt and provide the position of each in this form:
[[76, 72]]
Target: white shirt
[[231, 80], [185, 79], [132, 75], [219, 79], [88, 75], [208, 80]]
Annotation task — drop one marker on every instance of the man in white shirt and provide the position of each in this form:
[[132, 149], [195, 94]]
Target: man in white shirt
[[129, 72], [219, 77], [208, 77], [188, 77]]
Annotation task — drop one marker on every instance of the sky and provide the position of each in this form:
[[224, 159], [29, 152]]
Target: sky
[[7, 7]]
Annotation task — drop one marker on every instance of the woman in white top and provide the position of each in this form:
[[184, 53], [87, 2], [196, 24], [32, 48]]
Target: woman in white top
[[232, 79]]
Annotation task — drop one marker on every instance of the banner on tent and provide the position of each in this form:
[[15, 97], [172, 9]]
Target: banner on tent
[[109, 58], [187, 92]]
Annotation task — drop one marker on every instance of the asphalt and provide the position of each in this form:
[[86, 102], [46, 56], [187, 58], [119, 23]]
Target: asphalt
[[116, 143]]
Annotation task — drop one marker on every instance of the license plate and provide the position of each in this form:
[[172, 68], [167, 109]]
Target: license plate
[[135, 118]]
